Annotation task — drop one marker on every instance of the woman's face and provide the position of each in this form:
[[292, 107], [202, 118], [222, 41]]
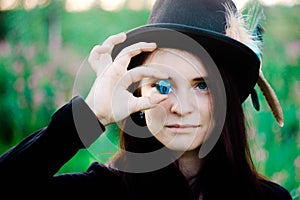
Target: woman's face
[[182, 121]]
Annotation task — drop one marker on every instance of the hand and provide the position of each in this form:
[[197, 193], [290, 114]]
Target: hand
[[109, 98]]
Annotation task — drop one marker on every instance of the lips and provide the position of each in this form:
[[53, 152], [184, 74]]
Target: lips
[[182, 128]]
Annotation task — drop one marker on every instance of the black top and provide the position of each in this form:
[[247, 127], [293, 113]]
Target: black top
[[29, 169]]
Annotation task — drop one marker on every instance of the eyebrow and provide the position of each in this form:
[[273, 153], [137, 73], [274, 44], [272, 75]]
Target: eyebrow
[[199, 79]]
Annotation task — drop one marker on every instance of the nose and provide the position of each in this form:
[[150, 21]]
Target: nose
[[183, 103]]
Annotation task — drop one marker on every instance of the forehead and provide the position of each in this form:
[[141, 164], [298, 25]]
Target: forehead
[[178, 61]]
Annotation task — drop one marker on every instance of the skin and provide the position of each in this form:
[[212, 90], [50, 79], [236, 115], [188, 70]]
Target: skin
[[113, 79], [180, 120]]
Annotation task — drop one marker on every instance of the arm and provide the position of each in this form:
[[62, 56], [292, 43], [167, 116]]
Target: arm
[[33, 163], [39, 156]]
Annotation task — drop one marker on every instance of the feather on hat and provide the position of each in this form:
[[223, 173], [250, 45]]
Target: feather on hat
[[252, 37]]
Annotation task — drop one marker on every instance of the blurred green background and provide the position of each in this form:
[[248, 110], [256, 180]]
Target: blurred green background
[[43, 50]]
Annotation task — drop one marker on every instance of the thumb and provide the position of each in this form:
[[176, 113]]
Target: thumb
[[144, 103]]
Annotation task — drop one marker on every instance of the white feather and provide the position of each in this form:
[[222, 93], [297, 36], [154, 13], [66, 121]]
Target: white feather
[[242, 27], [245, 29], [236, 26]]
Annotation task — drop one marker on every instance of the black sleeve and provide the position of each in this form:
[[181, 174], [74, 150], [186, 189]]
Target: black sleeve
[[35, 160]]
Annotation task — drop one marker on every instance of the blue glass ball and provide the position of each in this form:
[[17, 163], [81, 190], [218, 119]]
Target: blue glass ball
[[163, 86]]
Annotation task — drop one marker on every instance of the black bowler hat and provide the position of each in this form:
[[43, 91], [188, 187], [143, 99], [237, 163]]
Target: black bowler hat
[[217, 26]]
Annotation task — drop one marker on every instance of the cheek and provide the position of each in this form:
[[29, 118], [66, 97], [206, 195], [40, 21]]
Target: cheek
[[208, 106], [206, 116], [210, 111], [155, 118], [204, 106], [205, 113]]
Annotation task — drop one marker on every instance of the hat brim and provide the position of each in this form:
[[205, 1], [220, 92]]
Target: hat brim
[[237, 59]]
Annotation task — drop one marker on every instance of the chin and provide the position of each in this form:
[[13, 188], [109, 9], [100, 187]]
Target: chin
[[181, 147]]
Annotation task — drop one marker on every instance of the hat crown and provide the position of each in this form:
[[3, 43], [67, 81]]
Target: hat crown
[[204, 14]]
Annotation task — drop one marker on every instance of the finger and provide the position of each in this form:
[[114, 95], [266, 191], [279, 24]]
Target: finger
[[97, 51], [144, 103], [138, 73], [113, 40], [137, 48], [99, 59], [124, 57], [100, 54], [108, 44], [100, 49]]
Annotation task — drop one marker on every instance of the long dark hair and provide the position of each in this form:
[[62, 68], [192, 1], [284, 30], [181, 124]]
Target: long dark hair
[[228, 171]]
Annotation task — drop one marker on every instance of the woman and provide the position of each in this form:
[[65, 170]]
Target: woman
[[181, 76]]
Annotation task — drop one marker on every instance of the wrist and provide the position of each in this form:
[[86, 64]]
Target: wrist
[[101, 119]]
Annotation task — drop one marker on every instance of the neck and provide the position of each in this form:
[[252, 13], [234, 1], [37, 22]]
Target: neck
[[190, 164]]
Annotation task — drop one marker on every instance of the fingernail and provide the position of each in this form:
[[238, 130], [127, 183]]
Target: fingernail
[[152, 44], [104, 46], [122, 34]]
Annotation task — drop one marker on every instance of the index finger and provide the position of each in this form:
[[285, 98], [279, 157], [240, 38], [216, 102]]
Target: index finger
[[124, 57], [137, 74]]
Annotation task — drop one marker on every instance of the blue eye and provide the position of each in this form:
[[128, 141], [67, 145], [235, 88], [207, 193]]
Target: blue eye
[[163, 86], [202, 86]]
